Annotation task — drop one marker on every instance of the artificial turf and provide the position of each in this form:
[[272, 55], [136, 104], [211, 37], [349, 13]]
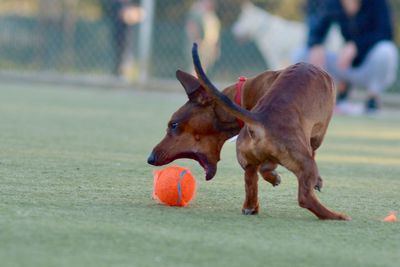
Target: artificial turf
[[75, 190]]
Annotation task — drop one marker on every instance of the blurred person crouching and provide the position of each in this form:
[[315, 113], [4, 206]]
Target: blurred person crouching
[[369, 57]]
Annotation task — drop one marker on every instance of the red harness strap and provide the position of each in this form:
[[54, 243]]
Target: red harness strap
[[238, 96]]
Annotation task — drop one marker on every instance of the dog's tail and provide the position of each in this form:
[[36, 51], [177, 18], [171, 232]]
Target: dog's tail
[[220, 98]]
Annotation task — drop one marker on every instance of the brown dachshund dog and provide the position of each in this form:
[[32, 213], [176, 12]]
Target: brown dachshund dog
[[285, 113]]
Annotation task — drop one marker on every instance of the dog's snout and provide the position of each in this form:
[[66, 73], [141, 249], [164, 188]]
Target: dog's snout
[[152, 158]]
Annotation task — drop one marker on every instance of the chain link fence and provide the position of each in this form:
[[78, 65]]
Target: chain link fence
[[146, 40]]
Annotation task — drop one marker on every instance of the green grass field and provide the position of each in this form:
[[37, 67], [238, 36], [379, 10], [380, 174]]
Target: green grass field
[[75, 190]]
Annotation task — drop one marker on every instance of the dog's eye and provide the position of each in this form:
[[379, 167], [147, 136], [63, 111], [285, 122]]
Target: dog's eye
[[173, 125]]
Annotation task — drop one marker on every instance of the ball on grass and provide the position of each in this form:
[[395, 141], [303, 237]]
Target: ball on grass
[[174, 186], [391, 217]]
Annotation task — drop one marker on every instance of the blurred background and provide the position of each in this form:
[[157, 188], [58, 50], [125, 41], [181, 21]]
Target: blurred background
[[136, 42]]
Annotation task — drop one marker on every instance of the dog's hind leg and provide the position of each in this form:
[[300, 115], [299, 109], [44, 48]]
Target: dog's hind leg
[[307, 177], [251, 205], [305, 168], [268, 172]]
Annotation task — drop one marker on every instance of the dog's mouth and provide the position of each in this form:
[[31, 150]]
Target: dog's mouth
[[209, 167]]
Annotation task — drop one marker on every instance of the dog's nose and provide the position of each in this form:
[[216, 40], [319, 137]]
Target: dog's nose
[[151, 159]]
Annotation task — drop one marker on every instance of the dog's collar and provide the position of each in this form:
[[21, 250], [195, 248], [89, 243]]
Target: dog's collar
[[238, 96]]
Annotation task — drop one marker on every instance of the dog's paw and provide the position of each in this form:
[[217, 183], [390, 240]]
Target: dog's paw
[[277, 180], [332, 215], [343, 217], [249, 211], [272, 177], [337, 216]]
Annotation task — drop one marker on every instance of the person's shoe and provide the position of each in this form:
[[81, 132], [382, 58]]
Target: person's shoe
[[343, 91], [371, 105]]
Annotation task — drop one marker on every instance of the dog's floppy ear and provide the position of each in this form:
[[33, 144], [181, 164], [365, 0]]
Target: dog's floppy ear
[[194, 90]]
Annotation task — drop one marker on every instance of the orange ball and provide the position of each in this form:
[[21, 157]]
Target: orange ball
[[174, 186], [390, 218]]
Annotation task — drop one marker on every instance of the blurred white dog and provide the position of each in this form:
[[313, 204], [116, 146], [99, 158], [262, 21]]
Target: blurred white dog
[[276, 38]]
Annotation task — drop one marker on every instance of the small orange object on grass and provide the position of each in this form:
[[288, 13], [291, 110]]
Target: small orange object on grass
[[174, 186], [390, 218]]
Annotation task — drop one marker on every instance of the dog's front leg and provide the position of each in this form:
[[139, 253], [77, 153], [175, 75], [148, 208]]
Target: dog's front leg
[[251, 205]]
